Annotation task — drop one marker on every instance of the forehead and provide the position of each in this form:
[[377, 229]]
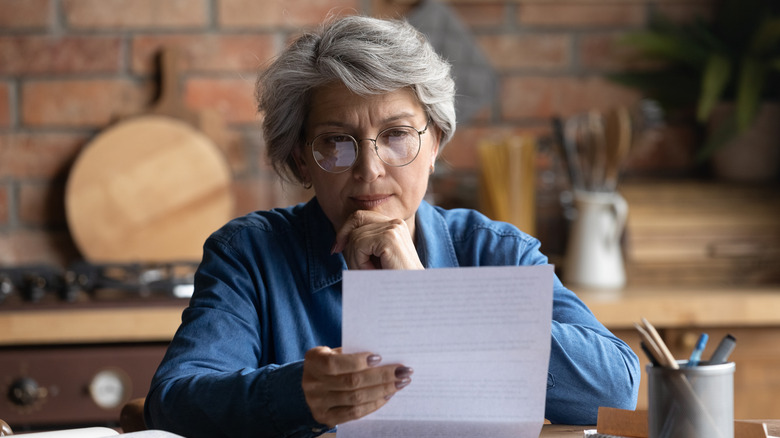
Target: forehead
[[336, 104]]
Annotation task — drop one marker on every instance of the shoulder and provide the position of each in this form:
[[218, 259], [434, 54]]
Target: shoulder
[[476, 240], [278, 221], [465, 224]]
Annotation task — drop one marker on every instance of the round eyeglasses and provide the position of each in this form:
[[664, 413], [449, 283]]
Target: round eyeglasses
[[397, 146]]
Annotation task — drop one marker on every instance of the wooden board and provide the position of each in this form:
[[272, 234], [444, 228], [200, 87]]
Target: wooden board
[[150, 189]]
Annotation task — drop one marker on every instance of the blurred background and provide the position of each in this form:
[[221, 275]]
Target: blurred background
[[540, 84], [71, 68]]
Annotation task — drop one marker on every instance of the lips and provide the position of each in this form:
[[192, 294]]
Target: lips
[[369, 202]]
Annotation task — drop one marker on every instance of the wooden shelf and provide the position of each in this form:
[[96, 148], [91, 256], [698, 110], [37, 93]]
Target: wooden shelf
[[98, 325], [685, 307]]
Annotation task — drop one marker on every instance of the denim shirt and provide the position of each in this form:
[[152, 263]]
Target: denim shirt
[[268, 289]]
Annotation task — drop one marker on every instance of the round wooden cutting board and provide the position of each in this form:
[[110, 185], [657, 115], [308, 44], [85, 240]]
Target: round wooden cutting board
[[150, 189]]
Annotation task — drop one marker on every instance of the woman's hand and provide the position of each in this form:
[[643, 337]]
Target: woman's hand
[[371, 240], [342, 387]]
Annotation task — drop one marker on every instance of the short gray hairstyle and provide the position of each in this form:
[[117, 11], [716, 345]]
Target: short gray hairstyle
[[369, 56]]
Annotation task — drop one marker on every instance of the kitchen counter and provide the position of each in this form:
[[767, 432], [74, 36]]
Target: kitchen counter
[[685, 306], [680, 314], [90, 325], [663, 306]]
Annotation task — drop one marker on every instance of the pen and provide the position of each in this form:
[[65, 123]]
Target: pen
[[696, 353], [650, 355], [726, 346]]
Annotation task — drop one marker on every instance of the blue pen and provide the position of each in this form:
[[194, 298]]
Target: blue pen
[[696, 354]]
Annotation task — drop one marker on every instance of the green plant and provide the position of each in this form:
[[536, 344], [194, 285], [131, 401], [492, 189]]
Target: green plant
[[733, 57]]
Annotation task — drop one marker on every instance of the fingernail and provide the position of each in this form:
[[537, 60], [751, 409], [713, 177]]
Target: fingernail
[[402, 383], [373, 359], [403, 372], [388, 396]]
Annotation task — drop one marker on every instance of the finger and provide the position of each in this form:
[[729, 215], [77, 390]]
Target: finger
[[352, 405], [386, 245], [363, 395], [326, 361], [385, 375], [342, 414], [355, 220]]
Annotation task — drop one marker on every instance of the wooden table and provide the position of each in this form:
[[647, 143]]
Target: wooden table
[[548, 431]]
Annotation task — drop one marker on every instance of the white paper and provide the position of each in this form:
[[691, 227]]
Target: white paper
[[478, 340]]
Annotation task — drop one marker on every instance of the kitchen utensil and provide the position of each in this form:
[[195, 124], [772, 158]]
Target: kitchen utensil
[[617, 142], [594, 256], [150, 188]]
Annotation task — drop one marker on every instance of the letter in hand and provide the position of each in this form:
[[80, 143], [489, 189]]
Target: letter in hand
[[371, 240], [343, 387]]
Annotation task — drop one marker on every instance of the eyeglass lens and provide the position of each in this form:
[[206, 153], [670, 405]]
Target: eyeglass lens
[[338, 152]]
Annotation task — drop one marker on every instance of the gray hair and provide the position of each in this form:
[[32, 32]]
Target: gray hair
[[369, 56]]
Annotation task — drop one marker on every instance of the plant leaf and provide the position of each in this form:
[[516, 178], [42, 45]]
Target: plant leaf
[[766, 38], [667, 47], [752, 78], [715, 77]]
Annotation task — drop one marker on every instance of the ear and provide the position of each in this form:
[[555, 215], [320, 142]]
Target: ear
[[303, 168], [435, 146]]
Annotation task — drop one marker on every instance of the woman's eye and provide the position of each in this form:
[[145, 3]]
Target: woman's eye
[[398, 133], [338, 138]]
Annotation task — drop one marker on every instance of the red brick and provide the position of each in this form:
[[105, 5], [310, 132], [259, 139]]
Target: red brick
[[591, 14], [46, 54], [37, 246], [390, 9], [5, 208], [42, 204], [265, 192], [682, 12], [603, 51], [481, 14], [81, 102], [535, 51], [543, 97], [462, 152], [135, 14], [236, 152], [275, 13], [233, 98], [25, 14], [5, 104], [38, 156], [205, 52]]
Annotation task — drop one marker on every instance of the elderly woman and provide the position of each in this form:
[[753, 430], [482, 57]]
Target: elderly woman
[[359, 111]]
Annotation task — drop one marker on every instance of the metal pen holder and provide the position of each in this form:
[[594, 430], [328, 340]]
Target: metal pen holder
[[691, 402]]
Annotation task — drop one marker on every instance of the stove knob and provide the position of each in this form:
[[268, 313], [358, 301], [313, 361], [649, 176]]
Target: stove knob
[[110, 388], [34, 287], [6, 287], [26, 392]]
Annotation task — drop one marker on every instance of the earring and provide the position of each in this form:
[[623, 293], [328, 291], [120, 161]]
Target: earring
[[432, 169], [307, 185]]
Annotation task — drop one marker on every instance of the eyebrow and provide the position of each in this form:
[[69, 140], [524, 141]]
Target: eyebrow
[[341, 125]]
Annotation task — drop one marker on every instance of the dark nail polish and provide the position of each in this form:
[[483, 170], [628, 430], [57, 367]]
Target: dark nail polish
[[373, 359], [402, 383], [403, 372]]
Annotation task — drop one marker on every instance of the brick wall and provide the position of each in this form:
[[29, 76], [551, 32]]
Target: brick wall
[[69, 68]]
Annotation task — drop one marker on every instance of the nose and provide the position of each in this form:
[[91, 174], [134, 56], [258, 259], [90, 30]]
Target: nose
[[368, 166]]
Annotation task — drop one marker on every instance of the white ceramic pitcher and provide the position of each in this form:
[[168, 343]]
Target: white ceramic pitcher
[[593, 256]]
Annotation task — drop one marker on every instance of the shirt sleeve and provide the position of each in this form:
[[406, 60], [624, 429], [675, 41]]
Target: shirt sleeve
[[211, 382], [589, 366]]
